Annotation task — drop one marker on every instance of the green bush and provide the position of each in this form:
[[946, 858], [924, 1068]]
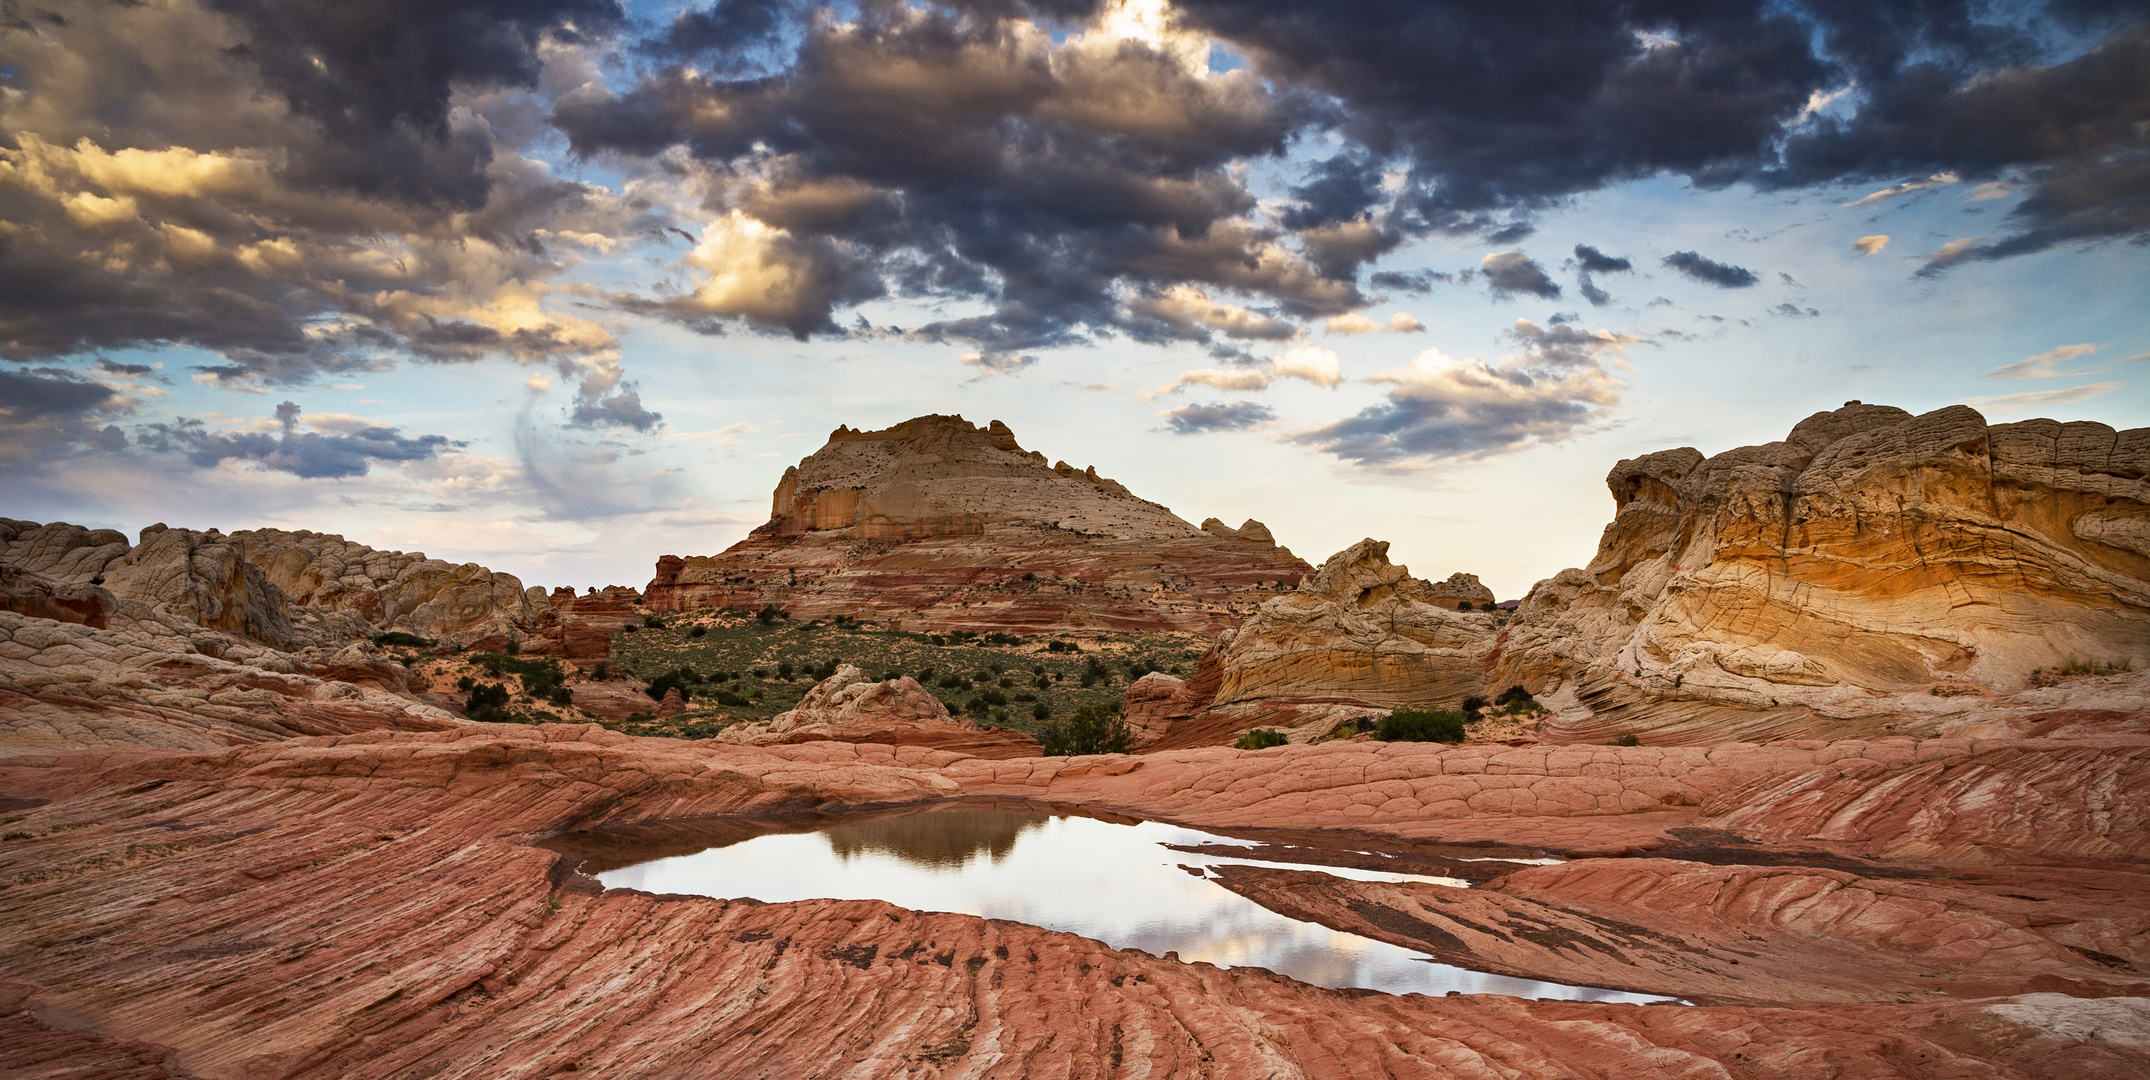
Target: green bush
[[1260, 738], [699, 631], [1422, 725], [1514, 695], [1092, 730], [682, 679], [1628, 740], [653, 622], [487, 703], [398, 637]]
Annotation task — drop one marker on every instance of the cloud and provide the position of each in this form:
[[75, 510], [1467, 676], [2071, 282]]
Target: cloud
[[1309, 363], [1196, 419], [1356, 323], [1189, 312], [1710, 271], [1871, 245], [1593, 262], [2039, 399], [2041, 366], [622, 408], [999, 363], [309, 455], [1511, 272], [1906, 188], [1794, 311], [1442, 409], [1949, 254]]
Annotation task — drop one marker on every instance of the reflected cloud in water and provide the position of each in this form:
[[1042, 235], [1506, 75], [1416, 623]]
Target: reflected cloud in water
[[1115, 883]]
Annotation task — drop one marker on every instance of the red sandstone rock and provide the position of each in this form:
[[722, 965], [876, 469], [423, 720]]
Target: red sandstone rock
[[938, 524], [369, 905]]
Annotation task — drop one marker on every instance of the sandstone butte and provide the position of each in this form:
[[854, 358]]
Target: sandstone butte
[[937, 524], [1873, 573], [236, 843]]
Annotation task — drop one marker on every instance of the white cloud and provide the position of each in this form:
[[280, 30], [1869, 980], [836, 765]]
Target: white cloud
[[1871, 245], [1310, 363], [2041, 366], [538, 383], [1403, 322], [2039, 399], [1350, 323]]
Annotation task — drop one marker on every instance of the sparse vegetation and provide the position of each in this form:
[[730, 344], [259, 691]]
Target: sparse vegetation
[[1630, 739], [1092, 730], [1260, 739], [2077, 668], [398, 637], [1422, 725]]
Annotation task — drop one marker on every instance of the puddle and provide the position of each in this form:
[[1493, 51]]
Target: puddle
[[1115, 882]]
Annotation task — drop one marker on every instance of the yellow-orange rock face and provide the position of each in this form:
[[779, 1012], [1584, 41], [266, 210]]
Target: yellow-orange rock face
[[939, 524], [1872, 563]]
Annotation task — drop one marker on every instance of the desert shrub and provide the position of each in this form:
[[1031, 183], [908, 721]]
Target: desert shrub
[[784, 670], [1042, 682], [701, 731], [602, 671], [487, 703], [1465, 606], [698, 631], [1473, 708], [398, 637], [653, 622], [560, 695], [732, 699], [682, 679], [1260, 738], [1062, 646], [1003, 639], [1513, 695], [994, 698], [770, 613], [1092, 730], [1628, 740], [1041, 711], [1422, 725]]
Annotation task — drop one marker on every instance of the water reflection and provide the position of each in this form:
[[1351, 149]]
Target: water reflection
[[1112, 882], [944, 839]]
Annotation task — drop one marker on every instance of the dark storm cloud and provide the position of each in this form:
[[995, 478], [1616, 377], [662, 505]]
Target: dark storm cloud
[[310, 455], [1710, 271], [1506, 108], [126, 370], [292, 185], [1418, 281], [1197, 419], [1512, 272], [938, 152], [51, 394]]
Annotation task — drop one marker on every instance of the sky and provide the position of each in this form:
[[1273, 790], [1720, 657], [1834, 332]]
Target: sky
[[560, 286]]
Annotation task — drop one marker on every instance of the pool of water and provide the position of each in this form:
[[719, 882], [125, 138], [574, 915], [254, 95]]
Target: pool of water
[[1115, 882]]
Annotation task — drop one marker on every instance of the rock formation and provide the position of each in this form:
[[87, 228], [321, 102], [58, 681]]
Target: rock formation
[[373, 905], [937, 524], [1357, 639], [197, 639], [850, 706], [1873, 564]]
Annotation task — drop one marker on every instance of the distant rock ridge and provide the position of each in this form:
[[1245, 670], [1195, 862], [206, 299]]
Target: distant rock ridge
[[851, 706], [937, 523], [198, 638], [1874, 573]]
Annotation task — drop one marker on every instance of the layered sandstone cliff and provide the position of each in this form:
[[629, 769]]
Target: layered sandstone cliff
[[197, 638], [1359, 638], [939, 524], [1873, 564]]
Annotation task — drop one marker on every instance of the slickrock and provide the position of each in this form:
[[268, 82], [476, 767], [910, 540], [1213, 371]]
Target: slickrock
[[937, 524], [851, 706], [1727, 934], [370, 905], [1872, 565], [66, 685]]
